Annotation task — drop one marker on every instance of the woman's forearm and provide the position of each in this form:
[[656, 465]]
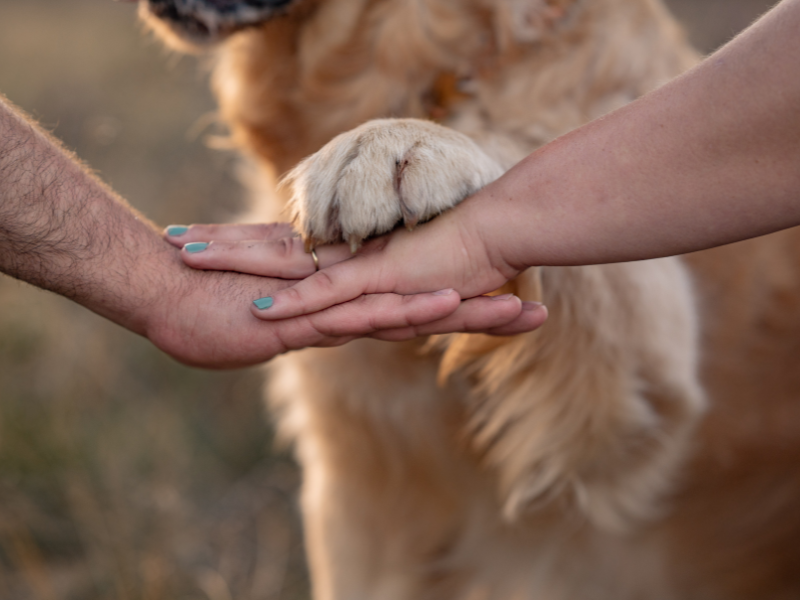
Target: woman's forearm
[[710, 158]]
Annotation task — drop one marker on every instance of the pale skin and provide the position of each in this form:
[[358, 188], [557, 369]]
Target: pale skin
[[63, 230], [709, 159]]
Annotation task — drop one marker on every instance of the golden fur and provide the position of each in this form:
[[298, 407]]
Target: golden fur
[[577, 461]]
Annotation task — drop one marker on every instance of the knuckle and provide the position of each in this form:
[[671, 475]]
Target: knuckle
[[265, 230], [324, 281], [300, 333], [374, 246], [285, 248], [372, 324], [271, 230], [295, 297]]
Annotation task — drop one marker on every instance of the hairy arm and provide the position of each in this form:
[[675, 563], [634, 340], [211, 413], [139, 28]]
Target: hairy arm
[[63, 230]]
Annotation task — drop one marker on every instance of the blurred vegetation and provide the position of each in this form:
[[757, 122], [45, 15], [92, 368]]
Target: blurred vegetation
[[124, 475]]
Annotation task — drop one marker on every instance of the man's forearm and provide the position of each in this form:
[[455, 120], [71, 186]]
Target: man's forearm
[[63, 230]]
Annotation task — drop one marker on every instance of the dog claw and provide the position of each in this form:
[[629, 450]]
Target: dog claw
[[410, 217]]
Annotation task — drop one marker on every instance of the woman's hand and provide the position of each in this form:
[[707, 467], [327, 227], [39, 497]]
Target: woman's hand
[[355, 286]]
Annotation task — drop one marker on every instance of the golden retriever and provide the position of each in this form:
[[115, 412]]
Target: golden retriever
[[644, 443]]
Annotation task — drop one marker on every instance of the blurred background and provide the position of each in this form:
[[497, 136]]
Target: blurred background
[[124, 475]]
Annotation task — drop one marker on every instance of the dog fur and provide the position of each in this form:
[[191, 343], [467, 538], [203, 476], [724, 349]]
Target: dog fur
[[578, 461]]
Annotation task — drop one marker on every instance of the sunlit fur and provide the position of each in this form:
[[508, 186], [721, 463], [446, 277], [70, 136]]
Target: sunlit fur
[[577, 461]]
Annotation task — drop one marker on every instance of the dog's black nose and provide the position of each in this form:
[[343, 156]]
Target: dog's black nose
[[268, 3], [221, 6], [234, 5], [206, 22]]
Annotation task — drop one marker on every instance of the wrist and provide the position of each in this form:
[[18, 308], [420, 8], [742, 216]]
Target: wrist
[[499, 217], [202, 318]]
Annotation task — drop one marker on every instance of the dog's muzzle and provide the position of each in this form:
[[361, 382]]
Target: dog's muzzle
[[208, 21]]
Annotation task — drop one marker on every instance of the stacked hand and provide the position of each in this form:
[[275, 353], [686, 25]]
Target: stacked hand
[[360, 293], [63, 230]]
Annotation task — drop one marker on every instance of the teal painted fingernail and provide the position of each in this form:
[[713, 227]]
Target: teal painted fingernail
[[174, 230], [263, 303], [195, 247]]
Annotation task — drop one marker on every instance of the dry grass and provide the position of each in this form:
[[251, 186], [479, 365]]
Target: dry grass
[[124, 475]]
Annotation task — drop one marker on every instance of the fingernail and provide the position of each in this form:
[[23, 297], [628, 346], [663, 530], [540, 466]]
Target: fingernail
[[446, 292], [530, 305], [195, 247], [502, 297], [263, 303], [175, 230]]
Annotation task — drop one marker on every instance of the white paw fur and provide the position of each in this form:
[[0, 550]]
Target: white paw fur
[[368, 180]]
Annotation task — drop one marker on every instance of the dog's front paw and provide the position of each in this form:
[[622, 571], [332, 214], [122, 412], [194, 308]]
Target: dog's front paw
[[368, 180]]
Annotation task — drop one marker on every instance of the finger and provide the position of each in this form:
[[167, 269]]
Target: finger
[[495, 315], [532, 316], [180, 235], [334, 327], [299, 333], [335, 285], [283, 257], [370, 313]]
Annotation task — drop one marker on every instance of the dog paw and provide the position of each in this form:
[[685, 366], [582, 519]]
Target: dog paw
[[390, 171]]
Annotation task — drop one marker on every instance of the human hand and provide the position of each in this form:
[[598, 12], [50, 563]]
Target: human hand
[[198, 318], [397, 263], [201, 321]]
